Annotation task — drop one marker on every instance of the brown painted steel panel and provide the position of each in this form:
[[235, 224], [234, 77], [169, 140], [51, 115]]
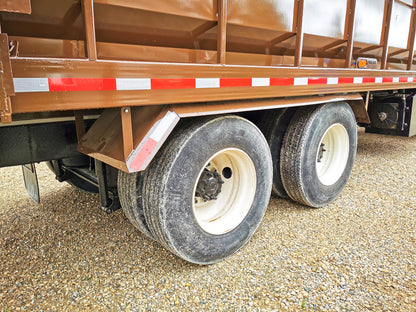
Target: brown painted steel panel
[[127, 52], [204, 9], [42, 102], [194, 110], [6, 81], [168, 36], [6, 69], [18, 6], [264, 14], [36, 67], [104, 140], [58, 48], [254, 27], [48, 19]]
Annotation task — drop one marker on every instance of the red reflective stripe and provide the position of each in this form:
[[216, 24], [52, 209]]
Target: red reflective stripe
[[316, 81], [369, 79], [235, 82], [282, 81], [185, 83], [109, 84], [345, 80], [141, 157], [82, 84]]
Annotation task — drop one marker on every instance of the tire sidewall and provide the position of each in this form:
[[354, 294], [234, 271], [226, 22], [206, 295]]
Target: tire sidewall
[[275, 130], [327, 115], [187, 238]]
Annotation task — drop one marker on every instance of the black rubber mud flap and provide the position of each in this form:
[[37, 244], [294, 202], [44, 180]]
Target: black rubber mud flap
[[31, 181]]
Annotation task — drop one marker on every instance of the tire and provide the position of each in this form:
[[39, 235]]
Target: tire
[[315, 174], [130, 195], [188, 210], [274, 129]]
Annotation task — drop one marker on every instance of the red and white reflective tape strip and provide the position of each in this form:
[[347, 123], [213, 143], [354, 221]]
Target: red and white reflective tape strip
[[151, 143], [22, 85]]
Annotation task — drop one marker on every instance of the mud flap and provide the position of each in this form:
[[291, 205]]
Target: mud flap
[[31, 181]]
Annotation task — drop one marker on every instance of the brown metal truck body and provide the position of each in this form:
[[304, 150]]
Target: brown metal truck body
[[140, 66]]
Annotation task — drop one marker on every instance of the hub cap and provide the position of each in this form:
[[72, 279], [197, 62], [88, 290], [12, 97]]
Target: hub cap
[[224, 191], [332, 154]]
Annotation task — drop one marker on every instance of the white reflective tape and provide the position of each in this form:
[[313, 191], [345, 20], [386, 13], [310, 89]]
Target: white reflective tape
[[207, 83], [300, 81], [358, 79], [260, 82], [133, 83], [164, 125], [31, 85], [159, 133], [395, 79], [379, 79], [332, 80], [409, 79]]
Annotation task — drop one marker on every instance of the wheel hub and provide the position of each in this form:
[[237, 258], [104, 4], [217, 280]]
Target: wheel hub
[[209, 185], [382, 116], [332, 154], [321, 152]]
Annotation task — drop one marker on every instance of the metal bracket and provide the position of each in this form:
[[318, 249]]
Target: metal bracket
[[6, 81], [79, 124], [127, 131], [5, 109], [109, 201], [128, 138]]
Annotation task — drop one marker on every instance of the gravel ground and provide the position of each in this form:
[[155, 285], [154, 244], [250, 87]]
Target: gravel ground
[[357, 254]]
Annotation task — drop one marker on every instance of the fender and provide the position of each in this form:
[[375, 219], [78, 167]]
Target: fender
[[129, 138]]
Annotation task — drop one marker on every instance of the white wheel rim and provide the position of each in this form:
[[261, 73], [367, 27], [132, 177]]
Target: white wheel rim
[[332, 154], [221, 215]]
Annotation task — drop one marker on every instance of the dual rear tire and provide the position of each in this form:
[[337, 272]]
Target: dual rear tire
[[207, 189], [316, 155]]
